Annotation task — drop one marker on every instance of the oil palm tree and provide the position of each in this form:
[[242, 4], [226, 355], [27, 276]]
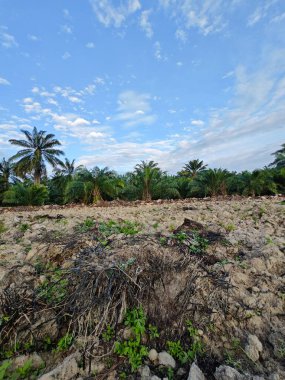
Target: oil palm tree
[[99, 183], [213, 181], [279, 161], [146, 172], [192, 168], [39, 148], [6, 174]]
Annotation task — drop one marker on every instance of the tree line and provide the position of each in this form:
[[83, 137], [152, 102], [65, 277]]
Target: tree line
[[24, 179]]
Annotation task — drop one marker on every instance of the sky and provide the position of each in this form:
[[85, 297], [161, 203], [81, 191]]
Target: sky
[[120, 81]]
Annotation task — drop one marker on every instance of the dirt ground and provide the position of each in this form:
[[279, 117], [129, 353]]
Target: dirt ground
[[233, 290]]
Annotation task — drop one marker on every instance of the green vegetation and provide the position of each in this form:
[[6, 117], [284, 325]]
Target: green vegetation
[[26, 371], [24, 180], [64, 343], [2, 227], [86, 225], [133, 348], [126, 227], [176, 349], [53, 289]]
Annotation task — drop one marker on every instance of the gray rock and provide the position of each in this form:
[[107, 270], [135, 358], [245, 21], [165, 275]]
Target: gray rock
[[225, 372], [155, 378], [153, 355], [144, 372], [36, 361], [195, 373], [166, 360], [253, 348], [67, 370]]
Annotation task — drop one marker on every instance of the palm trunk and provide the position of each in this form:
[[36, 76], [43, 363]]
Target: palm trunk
[[97, 194]]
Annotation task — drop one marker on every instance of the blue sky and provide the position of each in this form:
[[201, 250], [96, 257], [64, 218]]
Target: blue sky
[[165, 80]]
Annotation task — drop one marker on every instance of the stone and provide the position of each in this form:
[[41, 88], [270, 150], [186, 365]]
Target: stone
[[36, 361], [144, 372], [67, 370], [225, 372], [253, 348], [195, 373], [166, 360], [153, 355], [181, 372], [155, 378]]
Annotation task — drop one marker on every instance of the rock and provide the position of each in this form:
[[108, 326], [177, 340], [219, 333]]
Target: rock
[[253, 348], [67, 370], [274, 376], [153, 355], [166, 360], [225, 372], [276, 339], [36, 361], [155, 378], [128, 333], [181, 372], [144, 372], [195, 373]]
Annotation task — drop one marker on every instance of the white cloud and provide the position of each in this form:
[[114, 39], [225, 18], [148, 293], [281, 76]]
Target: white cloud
[[32, 37], [66, 29], [181, 35], [198, 123], [4, 82], [7, 40], [90, 45], [66, 14], [66, 55], [278, 18], [206, 16], [110, 15], [261, 12], [145, 23], [179, 63], [134, 109], [229, 74], [159, 56]]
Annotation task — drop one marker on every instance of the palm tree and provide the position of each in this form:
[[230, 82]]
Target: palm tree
[[279, 161], [39, 147], [192, 168], [6, 173], [146, 172], [214, 181], [100, 183], [66, 170]]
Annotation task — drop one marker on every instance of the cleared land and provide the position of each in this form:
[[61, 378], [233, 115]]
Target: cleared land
[[73, 272]]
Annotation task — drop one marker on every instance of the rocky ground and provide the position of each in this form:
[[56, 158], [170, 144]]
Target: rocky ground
[[196, 288]]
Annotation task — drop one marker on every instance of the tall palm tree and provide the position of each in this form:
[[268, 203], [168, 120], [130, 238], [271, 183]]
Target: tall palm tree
[[6, 174], [279, 161], [146, 172], [66, 169], [192, 168], [100, 183], [214, 181], [39, 147]]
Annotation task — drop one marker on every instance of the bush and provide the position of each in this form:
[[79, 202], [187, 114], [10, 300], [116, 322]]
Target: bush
[[74, 192], [26, 195]]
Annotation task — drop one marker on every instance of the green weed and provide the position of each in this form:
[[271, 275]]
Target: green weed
[[87, 224], [108, 334], [196, 348], [3, 228], [53, 290], [64, 343], [133, 349], [23, 227]]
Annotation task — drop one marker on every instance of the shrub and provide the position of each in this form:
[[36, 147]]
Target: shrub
[[26, 195], [74, 192]]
